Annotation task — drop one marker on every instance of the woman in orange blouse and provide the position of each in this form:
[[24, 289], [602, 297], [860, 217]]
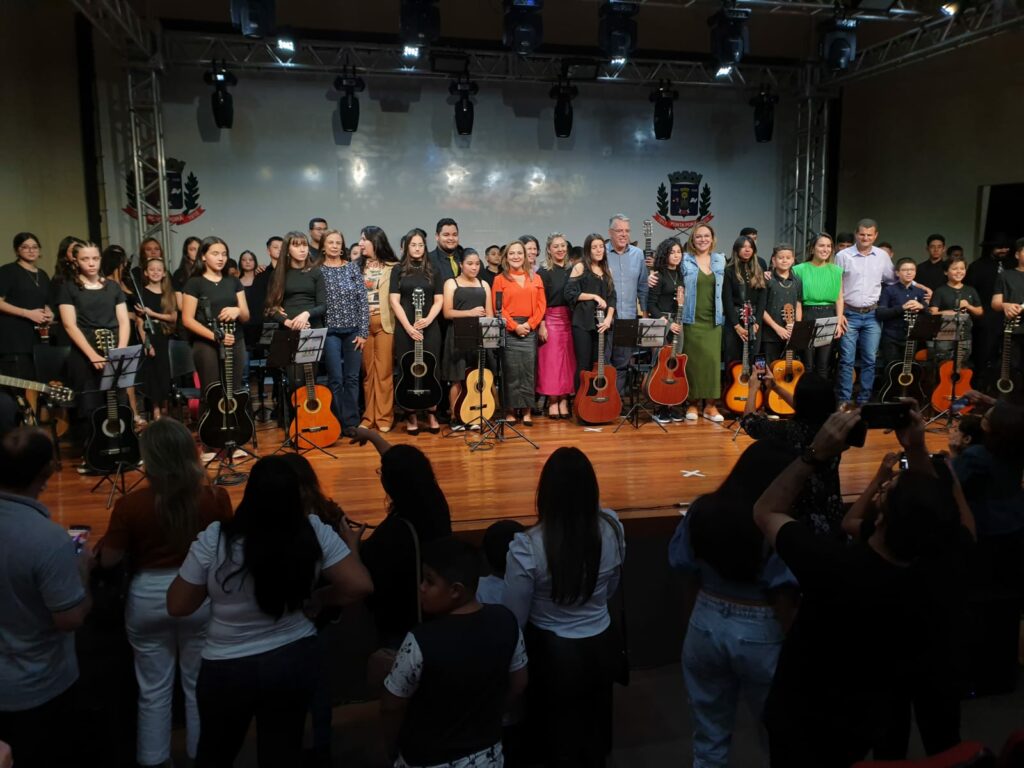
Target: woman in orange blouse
[[522, 306]]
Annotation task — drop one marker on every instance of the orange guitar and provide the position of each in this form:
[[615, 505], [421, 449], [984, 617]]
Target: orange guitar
[[787, 372], [735, 397], [666, 384], [598, 400], [314, 420], [954, 379]]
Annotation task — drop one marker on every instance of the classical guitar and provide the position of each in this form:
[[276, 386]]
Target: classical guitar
[[903, 377], [786, 372], [477, 401], [666, 384], [1008, 379], [954, 379], [42, 413], [314, 420], [112, 439], [418, 387], [58, 393], [227, 419], [735, 397], [598, 400]]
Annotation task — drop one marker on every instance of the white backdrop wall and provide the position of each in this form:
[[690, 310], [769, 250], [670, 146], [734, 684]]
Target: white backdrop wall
[[287, 160]]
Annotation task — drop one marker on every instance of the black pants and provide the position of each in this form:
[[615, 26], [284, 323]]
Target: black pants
[[275, 687], [206, 357], [889, 352], [585, 344], [773, 350], [45, 736], [819, 359]]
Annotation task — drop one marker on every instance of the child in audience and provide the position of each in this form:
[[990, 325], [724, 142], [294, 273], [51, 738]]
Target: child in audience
[[496, 541], [966, 431], [447, 691]]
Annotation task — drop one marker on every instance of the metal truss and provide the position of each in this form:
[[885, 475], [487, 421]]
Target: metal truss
[[238, 53], [805, 182], [117, 21], [932, 38], [799, 8], [148, 161]]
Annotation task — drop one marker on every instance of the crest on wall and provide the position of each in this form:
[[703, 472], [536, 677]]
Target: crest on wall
[[685, 203], [182, 197]]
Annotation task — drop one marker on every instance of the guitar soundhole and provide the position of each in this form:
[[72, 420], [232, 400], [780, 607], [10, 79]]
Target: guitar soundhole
[[905, 379], [600, 383], [1005, 386], [312, 406], [744, 379], [228, 406], [419, 370], [671, 364], [113, 428]]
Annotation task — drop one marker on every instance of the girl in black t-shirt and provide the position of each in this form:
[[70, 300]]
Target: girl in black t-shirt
[[158, 304], [297, 297], [211, 294], [25, 313]]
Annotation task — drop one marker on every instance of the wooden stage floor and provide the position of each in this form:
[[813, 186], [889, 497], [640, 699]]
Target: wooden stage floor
[[641, 472]]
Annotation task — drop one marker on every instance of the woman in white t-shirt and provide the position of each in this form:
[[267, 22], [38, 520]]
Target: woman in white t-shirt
[[259, 570]]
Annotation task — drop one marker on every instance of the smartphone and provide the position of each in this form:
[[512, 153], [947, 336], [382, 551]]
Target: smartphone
[[959, 404], [80, 535], [760, 363], [885, 415], [904, 461]]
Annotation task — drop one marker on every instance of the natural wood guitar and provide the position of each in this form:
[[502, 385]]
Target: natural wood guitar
[[954, 379], [476, 401], [786, 372], [666, 384], [735, 398], [314, 418]]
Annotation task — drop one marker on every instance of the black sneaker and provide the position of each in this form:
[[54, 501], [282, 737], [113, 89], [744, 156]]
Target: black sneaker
[[662, 417]]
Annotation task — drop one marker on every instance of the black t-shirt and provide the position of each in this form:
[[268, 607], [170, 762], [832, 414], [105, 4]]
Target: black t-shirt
[[932, 274], [661, 299], [946, 297], [780, 293], [153, 301], [94, 308], [219, 295], [405, 286], [304, 291], [26, 290], [982, 275], [554, 279], [1010, 283]]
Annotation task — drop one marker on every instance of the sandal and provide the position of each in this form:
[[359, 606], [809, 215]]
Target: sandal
[[510, 418]]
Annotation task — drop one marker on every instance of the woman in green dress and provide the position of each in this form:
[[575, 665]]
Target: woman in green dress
[[703, 274]]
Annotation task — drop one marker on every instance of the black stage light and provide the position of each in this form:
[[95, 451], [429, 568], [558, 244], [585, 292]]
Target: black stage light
[[563, 92], [664, 111], [464, 89], [419, 25], [524, 26], [764, 114], [348, 83], [730, 38], [223, 106], [616, 32], [838, 47], [253, 18]]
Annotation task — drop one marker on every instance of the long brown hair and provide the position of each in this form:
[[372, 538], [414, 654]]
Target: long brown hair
[[176, 477], [275, 294], [748, 272], [588, 264], [168, 305]]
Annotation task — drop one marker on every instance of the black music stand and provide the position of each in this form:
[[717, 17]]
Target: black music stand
[[293, 348], [642, 333], [473, 336], [258, 366], [119, 373], [496, 429]]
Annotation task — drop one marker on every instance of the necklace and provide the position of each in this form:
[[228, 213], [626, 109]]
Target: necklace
[[33, 272]]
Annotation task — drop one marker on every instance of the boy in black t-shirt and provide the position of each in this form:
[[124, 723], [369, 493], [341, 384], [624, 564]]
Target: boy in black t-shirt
[[453, 676], [784, 291], [1008, 298], [950, 298]]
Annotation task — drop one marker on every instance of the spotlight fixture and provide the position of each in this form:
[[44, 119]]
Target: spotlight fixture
[[723, 71], [463, 89], [616, 32], [223, 107], [764, 114], [410, 52], [348, 83], [253, 18], [730, 38], [563, 92], [285, 45], [419, 25], [838, 46], [662, 97], [524, 26]]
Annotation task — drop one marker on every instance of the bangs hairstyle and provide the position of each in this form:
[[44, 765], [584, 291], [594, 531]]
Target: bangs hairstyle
[[382, 250], [606, 276], [661, 253], [780, 247], [242, 255], [408, 266], [168, 305], [749, 272], [275, 293], [505, 269], [688, 248], [199, 268]]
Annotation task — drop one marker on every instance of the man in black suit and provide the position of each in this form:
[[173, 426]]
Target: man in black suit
[[447, 256]]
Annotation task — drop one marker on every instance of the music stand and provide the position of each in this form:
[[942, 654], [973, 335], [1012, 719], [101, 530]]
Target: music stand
[[258, 364], [119, 373], [645, 333], [497, 428], [289, 348], [474, 336]]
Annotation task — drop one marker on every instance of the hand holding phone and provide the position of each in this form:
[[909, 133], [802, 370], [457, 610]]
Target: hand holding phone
[[760, 365], [79, 535]]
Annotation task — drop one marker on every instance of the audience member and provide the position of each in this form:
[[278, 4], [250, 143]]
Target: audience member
[[497, 539], [965, 432]]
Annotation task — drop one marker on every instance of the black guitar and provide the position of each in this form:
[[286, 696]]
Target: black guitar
[[418, 387], [903, 378], [227, 418], [112, 439], [1009, 379]]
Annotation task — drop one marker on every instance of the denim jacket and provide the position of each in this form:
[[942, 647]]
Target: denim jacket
[[690, 270]]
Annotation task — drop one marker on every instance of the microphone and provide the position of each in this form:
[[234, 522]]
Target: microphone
[[497, 302]]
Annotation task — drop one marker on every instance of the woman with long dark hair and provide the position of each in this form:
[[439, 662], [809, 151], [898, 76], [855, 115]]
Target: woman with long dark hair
[[465, 295], [258, 571], [559, 578], [590, 288], [556, 358], [744, 284], [64, 270], [153, 527], [296, 297], [186, 267], [664, 300], [821, 286], [376, 262]]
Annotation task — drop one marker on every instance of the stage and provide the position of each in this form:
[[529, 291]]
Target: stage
[[645, 475]]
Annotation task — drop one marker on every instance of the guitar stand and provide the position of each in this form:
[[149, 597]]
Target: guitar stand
[[293, 440], [225, 460], [633, 414], [118, 481]]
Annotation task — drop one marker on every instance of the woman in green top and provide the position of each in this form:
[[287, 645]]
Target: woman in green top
[[822, 282]]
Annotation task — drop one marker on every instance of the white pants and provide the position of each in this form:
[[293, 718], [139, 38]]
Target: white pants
[[158, 641]]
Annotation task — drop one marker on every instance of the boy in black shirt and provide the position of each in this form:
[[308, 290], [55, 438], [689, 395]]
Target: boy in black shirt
[[895, 302], [951, 298], [784, 290], [1008, 298], [452, 677]]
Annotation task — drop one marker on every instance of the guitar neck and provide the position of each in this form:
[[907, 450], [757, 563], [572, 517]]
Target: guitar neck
[[419, 343], [1004, 367], [911, 345], [307, 370], [677, 344], [12, 381]]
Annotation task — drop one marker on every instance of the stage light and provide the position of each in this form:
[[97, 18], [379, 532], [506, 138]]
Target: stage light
[[730, 38], [616, 32], [463, 89], [223, 105], [664, 111], [838, 47], [411, 52], [285, 45], [764, 114], [524, 26], [419, 25], [253, 18], [348, 83], [619, 61], [563, 92], [723, 71], [950, 9]]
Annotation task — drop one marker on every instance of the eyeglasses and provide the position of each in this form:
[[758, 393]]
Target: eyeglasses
[[28, 248]]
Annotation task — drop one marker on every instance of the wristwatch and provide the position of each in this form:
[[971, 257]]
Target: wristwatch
[[811, 458]]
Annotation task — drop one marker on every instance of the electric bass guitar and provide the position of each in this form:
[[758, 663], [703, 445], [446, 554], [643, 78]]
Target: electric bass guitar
[[735, 398], [112, 440], [1009, 380], [786, 372], [954, 379], [418, 387], [666, 384], [314, 420], [903, 378], [598, 400], [227, 419], [476, 402]]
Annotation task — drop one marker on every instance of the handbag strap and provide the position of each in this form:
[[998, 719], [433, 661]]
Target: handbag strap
[[419, 569]]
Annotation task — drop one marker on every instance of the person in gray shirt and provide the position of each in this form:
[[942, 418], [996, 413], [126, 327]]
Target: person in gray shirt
[[629, 274]]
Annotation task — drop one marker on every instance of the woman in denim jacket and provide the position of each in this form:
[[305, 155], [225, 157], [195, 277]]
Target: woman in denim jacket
[[703, 275]]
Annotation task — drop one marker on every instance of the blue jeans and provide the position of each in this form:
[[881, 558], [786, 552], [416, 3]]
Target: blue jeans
[[729, 647], [343, 362], [860, 344]]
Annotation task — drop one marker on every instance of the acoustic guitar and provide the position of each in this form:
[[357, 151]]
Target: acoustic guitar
[[666, 384], [228, 419], [598, 400], [787, 372], [735, 398], [418, 387], [112, 439], [477, 402], [903, 377], [1009, 380], [648, 248], [314, 420], [954, 379], [41, 414]]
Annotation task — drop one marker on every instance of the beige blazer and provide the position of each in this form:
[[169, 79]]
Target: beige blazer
[[387, 317]]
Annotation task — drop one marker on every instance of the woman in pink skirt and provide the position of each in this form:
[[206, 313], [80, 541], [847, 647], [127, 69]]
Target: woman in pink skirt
[[556, 360]]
